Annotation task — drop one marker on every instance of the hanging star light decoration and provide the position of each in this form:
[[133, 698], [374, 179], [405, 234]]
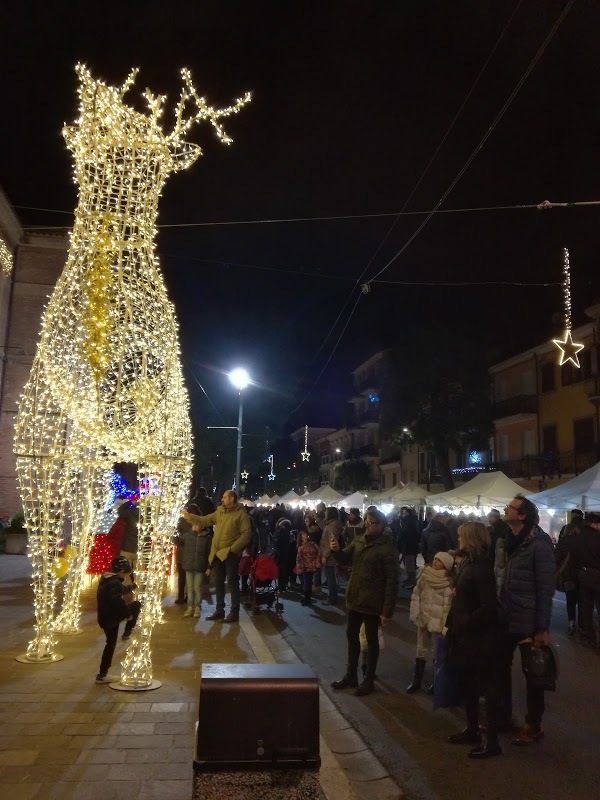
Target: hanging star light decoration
[[305, 454], [568, 348], [271, 461], [244, 475]]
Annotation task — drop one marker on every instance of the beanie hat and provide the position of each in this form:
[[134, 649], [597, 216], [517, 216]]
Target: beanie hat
[[446, 559]]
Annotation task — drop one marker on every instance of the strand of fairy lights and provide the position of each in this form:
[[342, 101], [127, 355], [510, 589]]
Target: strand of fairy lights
[[6, 259], [568, 349]]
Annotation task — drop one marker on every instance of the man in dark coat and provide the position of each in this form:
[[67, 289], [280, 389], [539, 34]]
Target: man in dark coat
[[370, 595], [408, 545], [585, 552], [435, 538], [526, 596]]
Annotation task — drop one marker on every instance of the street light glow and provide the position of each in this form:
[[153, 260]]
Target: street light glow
[[240, 378]]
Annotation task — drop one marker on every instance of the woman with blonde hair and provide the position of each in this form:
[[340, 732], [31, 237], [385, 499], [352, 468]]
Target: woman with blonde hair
[[473, 636]]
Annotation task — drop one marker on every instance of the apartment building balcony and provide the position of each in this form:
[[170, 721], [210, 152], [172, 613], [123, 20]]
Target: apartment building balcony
[[367, 418], [366, 385], [551, 465], [369, 450], [522, 406]]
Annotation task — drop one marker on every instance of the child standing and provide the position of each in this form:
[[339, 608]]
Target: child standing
[[195, 548], [307, 563], [429, 607], [115, 603]]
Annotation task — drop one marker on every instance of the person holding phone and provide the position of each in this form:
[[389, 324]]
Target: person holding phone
[[370, 595]]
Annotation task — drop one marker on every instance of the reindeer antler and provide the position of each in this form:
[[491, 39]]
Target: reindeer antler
[[203, 111]]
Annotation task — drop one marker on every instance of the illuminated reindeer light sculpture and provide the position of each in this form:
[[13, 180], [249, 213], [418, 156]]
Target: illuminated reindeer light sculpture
[[106, 382]]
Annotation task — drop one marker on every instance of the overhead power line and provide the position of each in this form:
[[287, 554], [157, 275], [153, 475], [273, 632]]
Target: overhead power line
[[544, 205]]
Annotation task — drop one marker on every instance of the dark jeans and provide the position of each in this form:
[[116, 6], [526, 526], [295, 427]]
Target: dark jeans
[[355, 620], [572, 598], [307, 582], [112, 634], [332, 586], [180, 582], [227, 569], [535, 695], [476, 684], [588, 598]]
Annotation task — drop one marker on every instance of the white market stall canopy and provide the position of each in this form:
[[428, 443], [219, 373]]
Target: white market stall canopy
[[265, 500], [582, 492], [274, 500], [289, 497], [492, 489], [411, 494], [356, 500], [324, 494]]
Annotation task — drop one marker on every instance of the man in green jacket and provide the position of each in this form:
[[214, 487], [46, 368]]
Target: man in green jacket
[[233, 532], [370, 596]]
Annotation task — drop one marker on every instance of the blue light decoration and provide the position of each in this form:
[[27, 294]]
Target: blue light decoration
[[373, 398], [118, 488], [475, 457]]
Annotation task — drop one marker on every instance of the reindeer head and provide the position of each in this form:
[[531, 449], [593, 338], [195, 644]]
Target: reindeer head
[[106, 121]]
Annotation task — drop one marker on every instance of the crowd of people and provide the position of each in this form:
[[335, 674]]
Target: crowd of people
[[485, 589]]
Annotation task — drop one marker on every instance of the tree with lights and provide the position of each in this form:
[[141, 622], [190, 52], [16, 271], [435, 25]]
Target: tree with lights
[[106, 382]]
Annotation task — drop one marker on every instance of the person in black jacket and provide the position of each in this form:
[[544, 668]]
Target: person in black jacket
[[115, 603], [410, 536], [585, 552], [435, 538], [473, 639], [526, 598]]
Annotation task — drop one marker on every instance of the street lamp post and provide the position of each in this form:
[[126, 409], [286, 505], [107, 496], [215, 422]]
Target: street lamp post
[[240, 379]]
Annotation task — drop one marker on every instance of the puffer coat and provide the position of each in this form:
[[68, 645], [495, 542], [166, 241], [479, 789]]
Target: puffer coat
[[528, 586], [307, 558], [431, 599], [194, 548], [373, 584]]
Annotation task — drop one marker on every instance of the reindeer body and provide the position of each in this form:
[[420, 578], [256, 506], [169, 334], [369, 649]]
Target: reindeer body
[[106, 383]]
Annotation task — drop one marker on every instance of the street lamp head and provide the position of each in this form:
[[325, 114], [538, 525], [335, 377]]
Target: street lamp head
[[240, 378]]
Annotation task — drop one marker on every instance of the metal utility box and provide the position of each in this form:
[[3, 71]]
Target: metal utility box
[[257, 717]]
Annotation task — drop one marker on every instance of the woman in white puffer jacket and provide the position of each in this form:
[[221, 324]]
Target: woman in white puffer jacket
[[429, 607]]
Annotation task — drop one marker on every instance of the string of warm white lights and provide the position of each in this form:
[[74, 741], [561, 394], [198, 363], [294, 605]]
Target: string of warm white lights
[[568, 348], [106, 384], [305, 454], [6, 259]]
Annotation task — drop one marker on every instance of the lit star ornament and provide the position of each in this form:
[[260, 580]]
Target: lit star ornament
[[568, 349], [305, 454], [244, 475]]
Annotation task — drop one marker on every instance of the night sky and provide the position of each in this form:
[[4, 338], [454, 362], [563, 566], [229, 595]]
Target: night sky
[[350, 101]]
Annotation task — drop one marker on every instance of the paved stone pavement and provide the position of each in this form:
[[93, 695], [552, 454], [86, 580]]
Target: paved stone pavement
[[61, 736]]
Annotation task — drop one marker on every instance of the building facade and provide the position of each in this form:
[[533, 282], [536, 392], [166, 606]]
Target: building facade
[[546, 416], [38, 260]]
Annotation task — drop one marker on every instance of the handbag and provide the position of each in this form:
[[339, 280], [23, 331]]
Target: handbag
[[540, 666], [447, 691]]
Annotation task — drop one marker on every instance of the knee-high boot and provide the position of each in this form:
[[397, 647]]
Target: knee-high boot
[[417, 677]]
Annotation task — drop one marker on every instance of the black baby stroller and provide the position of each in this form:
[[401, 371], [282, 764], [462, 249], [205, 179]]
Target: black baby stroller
[[263, 585]]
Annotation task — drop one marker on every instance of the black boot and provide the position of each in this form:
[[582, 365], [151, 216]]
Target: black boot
[[488, 748], [366, 687], [418, 676], [349, 681], [466, 736]]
